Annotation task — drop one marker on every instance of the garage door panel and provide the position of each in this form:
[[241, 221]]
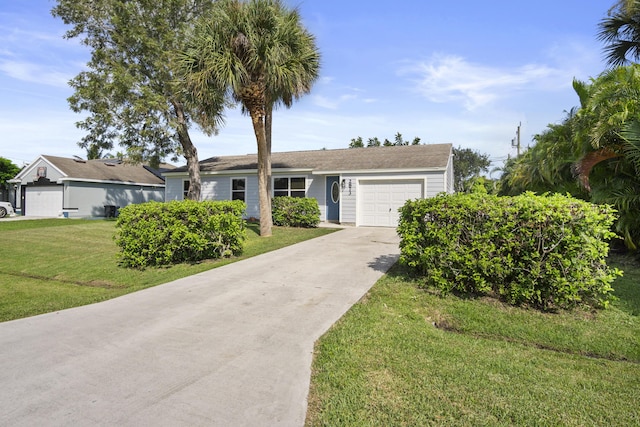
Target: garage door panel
[[387, 196], [43, 201]]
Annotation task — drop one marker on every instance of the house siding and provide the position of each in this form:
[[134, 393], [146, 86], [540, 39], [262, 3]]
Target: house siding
[[83, 199], [52, 173], [219, 188], [316, 188], [430, 166], [173, 189], [449, 176]]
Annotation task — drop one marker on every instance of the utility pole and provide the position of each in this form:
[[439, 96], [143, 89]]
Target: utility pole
[[515, 142]]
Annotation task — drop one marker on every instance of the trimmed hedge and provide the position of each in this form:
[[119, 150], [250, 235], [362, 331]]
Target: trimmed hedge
[[295, 211], [545, 251], [153, 233]]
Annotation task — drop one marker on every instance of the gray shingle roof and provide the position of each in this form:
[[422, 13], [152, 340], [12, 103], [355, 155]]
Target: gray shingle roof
[[102, 170], [351, 159]]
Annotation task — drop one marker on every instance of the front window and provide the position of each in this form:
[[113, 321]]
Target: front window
[[185, 189], [238, 189], [294, 187]]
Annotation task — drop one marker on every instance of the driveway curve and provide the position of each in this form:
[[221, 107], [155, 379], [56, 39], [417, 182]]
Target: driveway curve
[[231, 346]]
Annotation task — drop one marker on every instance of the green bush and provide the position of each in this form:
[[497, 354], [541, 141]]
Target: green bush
[[151, 234], [295, 211], [545, 251]]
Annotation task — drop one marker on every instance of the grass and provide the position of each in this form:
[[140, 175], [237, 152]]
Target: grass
[[50, 265], [409, 357]]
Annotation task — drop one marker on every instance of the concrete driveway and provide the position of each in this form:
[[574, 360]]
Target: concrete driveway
[[229, 347]]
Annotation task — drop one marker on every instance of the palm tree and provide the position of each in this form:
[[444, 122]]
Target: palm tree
[[621, 31], [262, 56]]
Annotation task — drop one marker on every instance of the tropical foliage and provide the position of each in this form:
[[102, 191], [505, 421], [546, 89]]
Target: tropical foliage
[[258, 54], [594, 153], [621, 32]]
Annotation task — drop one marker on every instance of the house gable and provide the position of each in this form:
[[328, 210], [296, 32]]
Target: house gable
[[83, 188]]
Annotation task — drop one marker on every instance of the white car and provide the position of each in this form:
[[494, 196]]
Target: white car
[[5, 209]]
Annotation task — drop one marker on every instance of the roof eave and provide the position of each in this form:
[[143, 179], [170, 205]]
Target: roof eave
[[239, 172], [394, 170], [106, 181]]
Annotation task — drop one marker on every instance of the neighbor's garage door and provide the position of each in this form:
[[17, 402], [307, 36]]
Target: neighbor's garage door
[[380, 200], [43, 201]]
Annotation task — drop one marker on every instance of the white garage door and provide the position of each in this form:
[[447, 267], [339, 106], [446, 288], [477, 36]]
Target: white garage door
[[380, 200], [43, 201]]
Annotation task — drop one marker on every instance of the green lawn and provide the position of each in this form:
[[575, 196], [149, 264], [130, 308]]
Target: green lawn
[[409, 357], [49, 265]]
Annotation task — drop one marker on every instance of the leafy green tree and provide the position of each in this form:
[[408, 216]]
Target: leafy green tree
[[130, 89], [399, 140], [356, 143], [259, 54], [620, 30], [468, 164], [8, 170], [373, 142]]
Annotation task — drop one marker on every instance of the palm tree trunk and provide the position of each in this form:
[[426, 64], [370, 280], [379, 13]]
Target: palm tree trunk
[[268, 119], [190, 153], [264, 166]]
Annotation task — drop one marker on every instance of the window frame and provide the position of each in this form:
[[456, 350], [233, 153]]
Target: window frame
[[244, 191], [290, 192], [186, 185]]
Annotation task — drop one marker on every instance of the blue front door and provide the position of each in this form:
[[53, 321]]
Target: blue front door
[[333, 198]]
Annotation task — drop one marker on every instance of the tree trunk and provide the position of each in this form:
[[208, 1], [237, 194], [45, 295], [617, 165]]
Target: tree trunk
[[264, 197], [267, 130], [190, 153]]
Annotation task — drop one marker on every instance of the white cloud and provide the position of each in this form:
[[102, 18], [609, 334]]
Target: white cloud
[[324, 102], [450, 78], [333, 103], [34, 73]]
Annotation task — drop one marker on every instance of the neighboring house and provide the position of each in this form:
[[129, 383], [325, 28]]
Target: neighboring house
[[58, 186], [361, 186]]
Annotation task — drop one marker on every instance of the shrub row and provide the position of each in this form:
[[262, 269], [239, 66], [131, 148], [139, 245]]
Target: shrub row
[[545, 251], [295, 211], [155, 233]]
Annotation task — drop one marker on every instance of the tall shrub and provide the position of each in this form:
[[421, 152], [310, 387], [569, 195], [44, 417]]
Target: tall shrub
[[180, 231], [295, 211], [544, 251]]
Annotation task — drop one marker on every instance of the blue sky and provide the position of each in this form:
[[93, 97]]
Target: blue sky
[[464, 72]]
